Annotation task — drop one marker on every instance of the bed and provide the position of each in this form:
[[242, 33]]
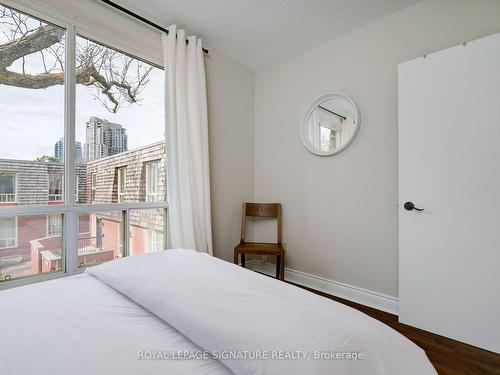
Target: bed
[[183, 312]]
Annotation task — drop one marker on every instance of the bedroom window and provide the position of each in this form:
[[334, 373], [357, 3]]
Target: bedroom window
[[7, 187], [32, 60], [65, 140], [120, 126]]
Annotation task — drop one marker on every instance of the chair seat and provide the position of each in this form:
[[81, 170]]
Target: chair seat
[[259, 248]]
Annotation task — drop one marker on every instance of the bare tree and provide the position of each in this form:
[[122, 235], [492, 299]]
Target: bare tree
[[115, 77]]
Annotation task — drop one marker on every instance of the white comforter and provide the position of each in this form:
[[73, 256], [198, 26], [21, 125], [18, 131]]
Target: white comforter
[[80, 326], [230, 311]]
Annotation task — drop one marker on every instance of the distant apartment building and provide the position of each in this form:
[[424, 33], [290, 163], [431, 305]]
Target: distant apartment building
[[59, 151], [33, 244], [103, 139]]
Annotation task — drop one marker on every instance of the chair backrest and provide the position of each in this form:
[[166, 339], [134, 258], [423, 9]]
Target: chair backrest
[[261, 210]]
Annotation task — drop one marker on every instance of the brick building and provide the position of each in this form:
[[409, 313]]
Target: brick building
[[134, 176], [137, 175], [33, 244], [24, 182]]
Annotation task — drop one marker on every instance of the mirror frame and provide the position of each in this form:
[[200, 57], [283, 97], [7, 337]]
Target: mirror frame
[[305, 120]]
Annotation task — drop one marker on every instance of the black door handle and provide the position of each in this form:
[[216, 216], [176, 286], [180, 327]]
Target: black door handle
[[409, 206]]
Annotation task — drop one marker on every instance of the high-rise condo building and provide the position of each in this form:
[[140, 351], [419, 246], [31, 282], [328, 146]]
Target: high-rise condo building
[[103, 138]]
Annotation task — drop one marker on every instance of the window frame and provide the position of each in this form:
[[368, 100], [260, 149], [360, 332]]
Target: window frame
[[154, 236], [156, 194], [14, 174], [48, 226], [70, 209], [121, 172], [16, 238], [56, 197]]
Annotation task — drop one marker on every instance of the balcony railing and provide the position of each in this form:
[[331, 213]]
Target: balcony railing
[[8, 242], [86, 243], [153, 197], [7, 198]]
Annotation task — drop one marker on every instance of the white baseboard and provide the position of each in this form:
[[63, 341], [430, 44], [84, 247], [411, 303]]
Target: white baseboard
[[349, 292]]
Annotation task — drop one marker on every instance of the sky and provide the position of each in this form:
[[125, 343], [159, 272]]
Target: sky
[[32, 120]]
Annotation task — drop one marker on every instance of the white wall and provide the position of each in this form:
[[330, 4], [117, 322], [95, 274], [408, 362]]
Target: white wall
[[230, 89], [340, 212]]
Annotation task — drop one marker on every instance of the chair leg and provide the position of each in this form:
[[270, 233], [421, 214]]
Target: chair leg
[[278, 265], [282, 267], [236, 254], [243, 260]]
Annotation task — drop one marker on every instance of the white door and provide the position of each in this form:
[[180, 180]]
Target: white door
[[449, 165]]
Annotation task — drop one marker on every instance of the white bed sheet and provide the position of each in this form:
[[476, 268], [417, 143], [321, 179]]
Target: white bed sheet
[[222, 307], [78, 325]]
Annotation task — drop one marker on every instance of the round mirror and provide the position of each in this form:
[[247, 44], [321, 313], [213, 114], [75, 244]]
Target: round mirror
[[330, 124]]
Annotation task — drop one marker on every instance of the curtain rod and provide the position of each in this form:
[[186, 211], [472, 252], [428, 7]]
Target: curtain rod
[[141, 18], [333, 113]]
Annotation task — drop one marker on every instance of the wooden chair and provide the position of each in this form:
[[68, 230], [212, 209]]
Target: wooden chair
[[261, 210]]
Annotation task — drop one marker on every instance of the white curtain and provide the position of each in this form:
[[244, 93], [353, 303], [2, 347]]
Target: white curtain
[[314, 130], [186, 132]]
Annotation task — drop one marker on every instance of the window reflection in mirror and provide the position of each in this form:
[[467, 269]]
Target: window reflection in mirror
[[331, 125]]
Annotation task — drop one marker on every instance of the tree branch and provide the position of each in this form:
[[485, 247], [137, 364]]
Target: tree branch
[[87, 76], [45, 37], [106, 70], [90, 76], [39, 81]]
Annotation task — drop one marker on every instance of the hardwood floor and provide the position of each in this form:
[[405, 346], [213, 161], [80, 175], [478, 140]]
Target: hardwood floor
[[448, 356]]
